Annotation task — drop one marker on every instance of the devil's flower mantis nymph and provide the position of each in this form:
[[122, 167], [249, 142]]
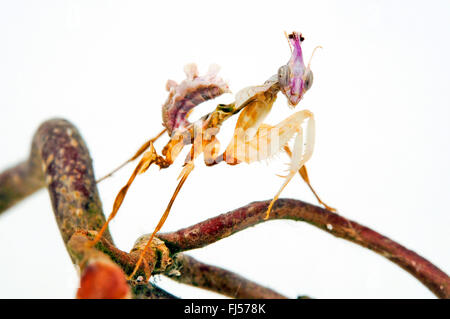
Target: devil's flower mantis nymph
[[252, 141]]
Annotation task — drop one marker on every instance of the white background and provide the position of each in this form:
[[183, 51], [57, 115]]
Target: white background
[[380, 96]]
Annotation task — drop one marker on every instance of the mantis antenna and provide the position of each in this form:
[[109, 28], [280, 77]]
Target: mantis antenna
[[314, 51], [287, 38]]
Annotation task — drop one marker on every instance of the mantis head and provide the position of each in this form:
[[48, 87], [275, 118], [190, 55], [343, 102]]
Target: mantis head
[[295, 78]]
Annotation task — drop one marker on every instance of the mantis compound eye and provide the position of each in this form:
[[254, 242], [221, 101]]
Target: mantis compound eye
[[283, 76], [308, 79]]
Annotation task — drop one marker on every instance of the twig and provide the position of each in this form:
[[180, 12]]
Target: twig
[[224, 225], [20, 181], [149, 291], [104, 268], [188, 270], [69, 177]]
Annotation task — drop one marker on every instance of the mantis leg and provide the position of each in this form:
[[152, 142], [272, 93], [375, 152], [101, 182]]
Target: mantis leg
[[196, 150], [149, 158], [140, 151], [304, 174], [183, 176], [270, 140]]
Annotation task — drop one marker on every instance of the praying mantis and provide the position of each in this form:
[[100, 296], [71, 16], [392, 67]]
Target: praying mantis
[[252, 139]]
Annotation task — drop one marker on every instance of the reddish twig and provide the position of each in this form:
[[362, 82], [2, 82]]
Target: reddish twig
[[69, 177], [195, 273], [224, 225], [149, 291], [104, 277]]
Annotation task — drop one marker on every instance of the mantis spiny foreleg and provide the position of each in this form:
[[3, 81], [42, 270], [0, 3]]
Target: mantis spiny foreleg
[[270, 140]]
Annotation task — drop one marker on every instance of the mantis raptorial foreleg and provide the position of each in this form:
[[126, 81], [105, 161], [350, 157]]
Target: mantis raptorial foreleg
[[304, 174], [270, 140], [303, 148]]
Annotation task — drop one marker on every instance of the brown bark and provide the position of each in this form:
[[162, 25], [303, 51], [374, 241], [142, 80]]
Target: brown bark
[[19, 182]]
